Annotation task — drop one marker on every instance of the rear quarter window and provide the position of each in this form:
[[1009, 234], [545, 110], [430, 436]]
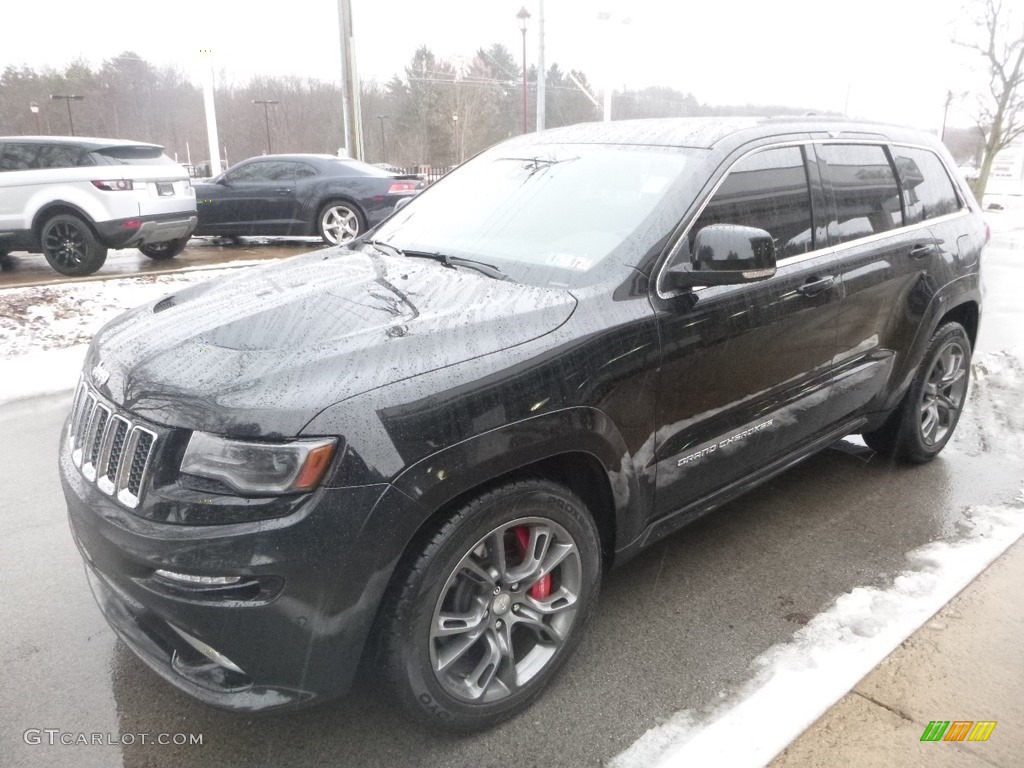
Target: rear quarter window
[[866, 199], [928, 191]]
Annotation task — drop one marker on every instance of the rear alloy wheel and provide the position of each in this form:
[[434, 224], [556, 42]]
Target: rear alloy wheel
[[165, 250], [924, 422], [70, 246], [493, 605], [339, 223]]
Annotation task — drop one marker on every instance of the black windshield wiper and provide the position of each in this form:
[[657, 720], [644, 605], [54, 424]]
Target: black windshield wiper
[[449, 261], [458, 261], [533, 164], [389, 249]]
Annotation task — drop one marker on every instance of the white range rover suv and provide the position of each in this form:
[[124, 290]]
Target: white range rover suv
[[72, 198]]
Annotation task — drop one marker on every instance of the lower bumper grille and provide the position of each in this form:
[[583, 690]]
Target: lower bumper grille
[[109, 449]]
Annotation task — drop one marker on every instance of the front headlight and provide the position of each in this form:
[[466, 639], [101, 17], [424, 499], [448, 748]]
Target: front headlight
[[259, 468]]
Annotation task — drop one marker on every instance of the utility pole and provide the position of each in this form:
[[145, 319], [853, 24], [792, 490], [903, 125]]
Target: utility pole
[[945, 112], [350, 84], [266, 117], [383, 146], [542, 75]]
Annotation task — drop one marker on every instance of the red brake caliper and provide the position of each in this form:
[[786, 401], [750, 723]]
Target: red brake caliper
[[542, 588]]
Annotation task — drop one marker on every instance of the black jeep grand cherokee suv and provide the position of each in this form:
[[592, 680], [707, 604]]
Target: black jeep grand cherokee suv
[[440, 436]]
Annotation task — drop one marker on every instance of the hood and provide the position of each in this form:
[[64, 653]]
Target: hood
[[261, 353]]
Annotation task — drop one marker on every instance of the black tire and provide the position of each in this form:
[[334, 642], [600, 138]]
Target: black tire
[[924, 422], [165, 250], [339, 222], [436, 666], [70, 246]]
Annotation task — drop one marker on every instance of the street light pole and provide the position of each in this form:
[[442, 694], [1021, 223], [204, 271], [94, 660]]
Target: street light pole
[[542, 75], [266, 117], [524, 18], [67, 100], [455, 121], [35, 111], [383, 146]]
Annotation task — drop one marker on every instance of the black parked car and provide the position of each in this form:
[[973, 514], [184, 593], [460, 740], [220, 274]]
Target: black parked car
[[335, 198], [567, 349]]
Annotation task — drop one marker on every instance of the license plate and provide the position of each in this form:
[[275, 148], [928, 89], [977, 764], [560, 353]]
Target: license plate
[[164, 188]]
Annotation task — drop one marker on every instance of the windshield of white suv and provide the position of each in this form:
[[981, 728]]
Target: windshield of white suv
[[545, 213]]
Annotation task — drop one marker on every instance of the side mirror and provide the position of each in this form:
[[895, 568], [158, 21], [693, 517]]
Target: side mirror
[[222, 180], [726, 254]]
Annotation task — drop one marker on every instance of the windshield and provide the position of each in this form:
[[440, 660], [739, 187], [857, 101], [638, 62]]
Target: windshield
[[546, 214]]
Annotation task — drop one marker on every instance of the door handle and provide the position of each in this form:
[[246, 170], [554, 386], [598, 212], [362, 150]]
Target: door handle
[[816, 285], [283, 191], [922, 250]]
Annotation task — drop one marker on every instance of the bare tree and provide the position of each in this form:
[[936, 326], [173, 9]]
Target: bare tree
[[1000, 40]]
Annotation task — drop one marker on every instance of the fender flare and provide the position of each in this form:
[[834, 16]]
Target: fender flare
[[436, 480], [956, 293]]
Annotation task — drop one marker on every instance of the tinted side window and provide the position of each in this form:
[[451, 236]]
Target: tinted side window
[[768, 190], [63, 156], [18, 157], [927, 190], [867, 200], [23, 157], [303, 171], [263, 171]]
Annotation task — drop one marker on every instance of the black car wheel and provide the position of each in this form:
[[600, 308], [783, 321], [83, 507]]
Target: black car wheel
[[70, 246], [478, 621], [165, 250], [339, 222], [924, 422]]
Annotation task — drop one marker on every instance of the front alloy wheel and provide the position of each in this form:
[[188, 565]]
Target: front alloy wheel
[[482, 614], [500, 619]]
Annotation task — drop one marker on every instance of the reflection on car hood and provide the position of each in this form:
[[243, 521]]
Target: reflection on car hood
[[263, 352]]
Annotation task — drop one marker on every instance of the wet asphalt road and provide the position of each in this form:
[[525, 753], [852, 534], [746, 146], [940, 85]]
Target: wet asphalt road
[[21, 269], [673, 629]]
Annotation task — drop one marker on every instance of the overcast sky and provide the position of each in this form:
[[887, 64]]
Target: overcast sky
[[880, 59]]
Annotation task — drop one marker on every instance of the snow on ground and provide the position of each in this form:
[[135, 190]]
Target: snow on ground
[[1004, 213], [794, 683], [44, 330], [57, 316]]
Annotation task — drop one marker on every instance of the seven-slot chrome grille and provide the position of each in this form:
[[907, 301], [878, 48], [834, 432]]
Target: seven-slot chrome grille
[[108, 448]]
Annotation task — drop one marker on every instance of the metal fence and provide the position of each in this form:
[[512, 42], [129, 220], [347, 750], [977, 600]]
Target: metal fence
[[428, 173]]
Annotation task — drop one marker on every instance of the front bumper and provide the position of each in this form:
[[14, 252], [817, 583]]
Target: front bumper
[[295, 638], [152, 229]]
